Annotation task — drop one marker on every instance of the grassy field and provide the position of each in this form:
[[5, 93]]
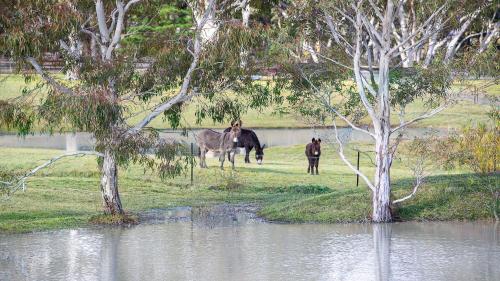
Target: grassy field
[[67, 194], [453, 117]]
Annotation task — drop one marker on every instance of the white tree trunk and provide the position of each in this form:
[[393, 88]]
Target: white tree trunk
[[406, 53], [455, 35], [381, 196], [210, 27], [310, 49], [491, 36], [383, 157], [76, 48], [245, 14], [109, 185]]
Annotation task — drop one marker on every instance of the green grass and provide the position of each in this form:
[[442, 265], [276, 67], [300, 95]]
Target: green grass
[[446, 197], [488, 87], [453, 117], [67, 194], [11, 86]]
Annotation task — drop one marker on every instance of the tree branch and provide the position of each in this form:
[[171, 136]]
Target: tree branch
[[130, 3], [182, 95], [357, 73], [101, 21], [336, 35], [93, 35], [113, 20], [345, 15], [376, 9], [420, 29], [332, 109], [118, 29], [342, 156], [334, 61], [59, 87], [375, 34], [418, 182], [21, 181], [65, 47], [350, 123], [421, 117]]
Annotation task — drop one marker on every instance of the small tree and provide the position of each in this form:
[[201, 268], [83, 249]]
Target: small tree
[[361, 68], [187, 51]]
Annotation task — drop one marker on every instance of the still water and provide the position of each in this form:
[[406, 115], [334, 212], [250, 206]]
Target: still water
[[230, 243], [270, 137]]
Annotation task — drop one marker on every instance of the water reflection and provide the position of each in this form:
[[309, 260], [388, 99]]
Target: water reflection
[[382, 234], [231, 244]]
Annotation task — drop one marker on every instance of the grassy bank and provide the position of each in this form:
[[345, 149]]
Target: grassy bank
[[453, 117], [67, 194]]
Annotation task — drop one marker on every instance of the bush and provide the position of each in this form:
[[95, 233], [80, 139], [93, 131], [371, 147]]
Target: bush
[[476, 147]]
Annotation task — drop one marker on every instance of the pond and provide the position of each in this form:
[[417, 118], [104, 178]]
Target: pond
[[270, 137], [231, 243]]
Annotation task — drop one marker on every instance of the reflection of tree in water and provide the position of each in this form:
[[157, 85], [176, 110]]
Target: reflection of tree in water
[[382, 233], [110, 253]]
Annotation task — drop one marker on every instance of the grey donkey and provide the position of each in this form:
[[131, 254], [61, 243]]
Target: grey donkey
[[219, 142]]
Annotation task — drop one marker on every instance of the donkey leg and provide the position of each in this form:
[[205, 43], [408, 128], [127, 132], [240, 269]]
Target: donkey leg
[[202, 157], [205, 158], [317, 164], [247, 154], [222, 158], [233, 155]]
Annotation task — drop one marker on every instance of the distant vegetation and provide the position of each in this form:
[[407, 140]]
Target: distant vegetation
[[456, 116]]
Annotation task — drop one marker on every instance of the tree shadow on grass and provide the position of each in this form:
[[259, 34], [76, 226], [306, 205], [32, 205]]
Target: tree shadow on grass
[[266, 170]]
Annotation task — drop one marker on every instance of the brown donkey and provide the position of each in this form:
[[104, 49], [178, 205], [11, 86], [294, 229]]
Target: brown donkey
[[313, 152], [219, 142]]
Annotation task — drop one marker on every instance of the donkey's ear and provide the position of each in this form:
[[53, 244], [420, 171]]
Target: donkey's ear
[[263, 146], [313, 140], [319, 140], [241, 123]]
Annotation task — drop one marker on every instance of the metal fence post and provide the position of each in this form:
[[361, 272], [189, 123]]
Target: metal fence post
[[357, 175], [192, 162]]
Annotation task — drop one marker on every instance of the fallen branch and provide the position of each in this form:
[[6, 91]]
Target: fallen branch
[[20, 183]]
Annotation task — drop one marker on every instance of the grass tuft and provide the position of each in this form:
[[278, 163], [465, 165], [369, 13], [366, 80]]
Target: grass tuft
[[124, 219]]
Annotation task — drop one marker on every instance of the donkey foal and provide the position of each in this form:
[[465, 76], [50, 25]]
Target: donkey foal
[[313, 152]]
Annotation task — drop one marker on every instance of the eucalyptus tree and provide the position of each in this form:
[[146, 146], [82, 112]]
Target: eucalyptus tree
[[364, 60], [188, 53]]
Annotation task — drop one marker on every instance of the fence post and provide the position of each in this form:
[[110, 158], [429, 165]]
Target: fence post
[[192, 162], [357, 175]]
